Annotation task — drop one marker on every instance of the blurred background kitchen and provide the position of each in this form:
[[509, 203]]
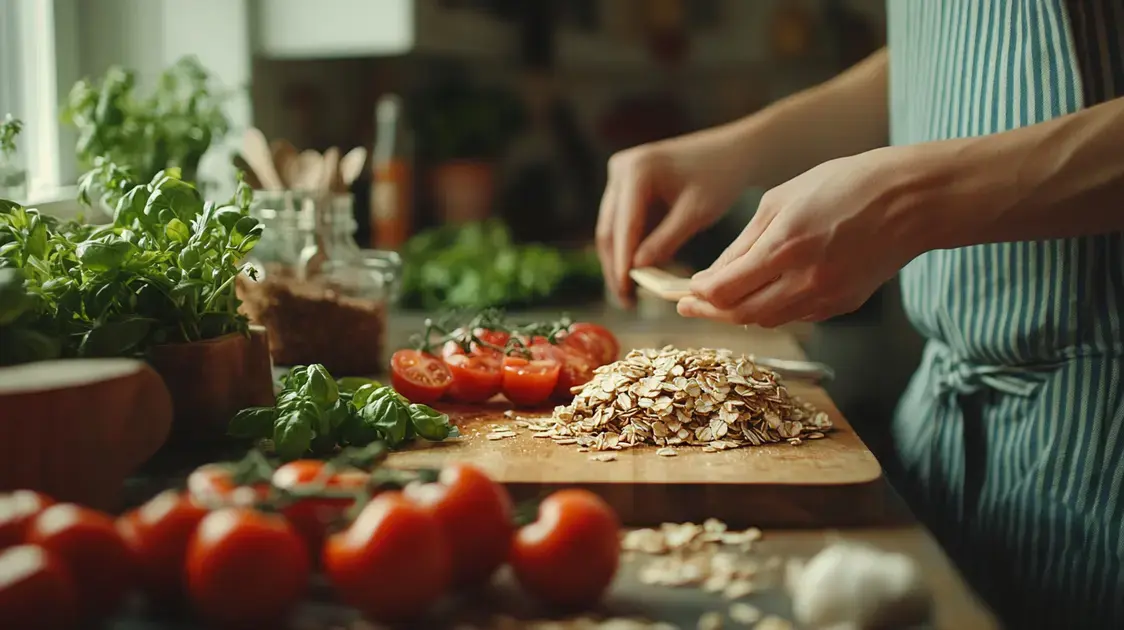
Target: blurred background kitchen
[[486, 125]]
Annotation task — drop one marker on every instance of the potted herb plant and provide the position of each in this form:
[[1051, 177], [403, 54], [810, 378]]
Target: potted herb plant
[[13, 176], [156, 283], [461, 131], [173, 127]]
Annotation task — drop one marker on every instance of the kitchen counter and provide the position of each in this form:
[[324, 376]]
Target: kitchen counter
[[955, 605]]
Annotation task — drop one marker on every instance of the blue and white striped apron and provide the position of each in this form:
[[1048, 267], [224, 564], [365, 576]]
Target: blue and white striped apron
[[1011, 433]]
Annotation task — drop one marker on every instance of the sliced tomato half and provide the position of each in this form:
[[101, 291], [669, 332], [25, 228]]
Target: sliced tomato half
[[529, 383], [576, 367], [476, 377], [596, 341], [420, 377]]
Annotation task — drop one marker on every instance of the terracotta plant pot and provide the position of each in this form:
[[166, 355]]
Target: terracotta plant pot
[[212, 380], [465, 190], [76, 428]]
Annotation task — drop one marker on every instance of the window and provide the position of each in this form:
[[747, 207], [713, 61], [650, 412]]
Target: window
[[31, 73]]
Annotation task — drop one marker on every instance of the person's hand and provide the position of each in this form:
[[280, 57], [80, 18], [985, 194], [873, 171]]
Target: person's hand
[[819, 245], [680, 186]]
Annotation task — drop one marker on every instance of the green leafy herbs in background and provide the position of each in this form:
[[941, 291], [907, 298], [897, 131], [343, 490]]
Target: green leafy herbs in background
[[478, 265], [20, 342], [162, 272], [10, 128], [171, 127], [316, 413]]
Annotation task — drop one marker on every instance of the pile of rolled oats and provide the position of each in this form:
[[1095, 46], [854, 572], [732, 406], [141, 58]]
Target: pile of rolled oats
[[670, 397]]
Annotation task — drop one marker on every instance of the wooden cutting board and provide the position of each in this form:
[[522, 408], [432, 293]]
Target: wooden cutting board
[[834, 481]]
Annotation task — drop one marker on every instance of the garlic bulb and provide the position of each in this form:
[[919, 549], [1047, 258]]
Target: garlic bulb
[[849, 586]]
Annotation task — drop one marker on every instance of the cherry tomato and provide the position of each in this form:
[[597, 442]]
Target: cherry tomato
[[476, 378], [393, 562], [245, 568], [576, 367], [213, 485], [420, 377], [494, 338], [476, 516], [36, 590], [88, 543], [311, 517], [529, 383], [157, 533], [595, 341], [568, 557], [17, 509]]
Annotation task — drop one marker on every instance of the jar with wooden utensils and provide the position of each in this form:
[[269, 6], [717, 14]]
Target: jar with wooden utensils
[[321, 298]]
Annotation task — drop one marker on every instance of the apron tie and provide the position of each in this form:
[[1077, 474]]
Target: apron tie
[[956, 375]]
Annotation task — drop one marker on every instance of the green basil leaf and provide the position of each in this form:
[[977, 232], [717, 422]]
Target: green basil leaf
[[189, 258], [320, 386], [36, 244], [102, 256], [363, 394], [429, 423], [390, 416], [295, 378], [22, 345], [292, 434], [349, 384], [356, 432], [227, 216], [116, 338], [177, 231], [252, 423]]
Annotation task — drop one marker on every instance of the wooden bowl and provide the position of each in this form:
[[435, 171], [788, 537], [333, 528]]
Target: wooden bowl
[[76, 428], [212, 380]]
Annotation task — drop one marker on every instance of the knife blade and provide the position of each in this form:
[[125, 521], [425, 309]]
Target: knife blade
[[811, 371]]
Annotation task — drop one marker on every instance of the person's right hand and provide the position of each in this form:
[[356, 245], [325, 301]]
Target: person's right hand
[[680, 186]]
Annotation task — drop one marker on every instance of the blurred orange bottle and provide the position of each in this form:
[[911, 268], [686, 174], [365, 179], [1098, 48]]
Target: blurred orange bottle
[[392, 181]]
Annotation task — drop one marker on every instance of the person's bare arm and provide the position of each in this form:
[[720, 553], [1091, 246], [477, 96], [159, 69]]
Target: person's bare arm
[[844, 116], [1058, 179]]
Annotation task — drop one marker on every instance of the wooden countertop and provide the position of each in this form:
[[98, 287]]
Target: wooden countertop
[[955, 605]]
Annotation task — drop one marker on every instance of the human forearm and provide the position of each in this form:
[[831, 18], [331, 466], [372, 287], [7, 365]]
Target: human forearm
[[844, 116], [1057, 179]]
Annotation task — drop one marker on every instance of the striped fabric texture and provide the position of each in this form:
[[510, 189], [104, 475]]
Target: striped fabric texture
[[1011, 433]]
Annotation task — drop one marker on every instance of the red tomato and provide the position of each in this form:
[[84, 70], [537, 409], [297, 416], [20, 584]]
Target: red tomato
[[529, 383], [16, 511], [157, 533], [476, 378], [36, 590], [312, 517], [595, 341], [213, 485], [392, 563], [476, 516], [420, 377], [88, 543], [568, 557], [245, 568], [576, 367]]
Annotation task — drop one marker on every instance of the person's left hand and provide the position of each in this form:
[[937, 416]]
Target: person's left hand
[[818, 246]]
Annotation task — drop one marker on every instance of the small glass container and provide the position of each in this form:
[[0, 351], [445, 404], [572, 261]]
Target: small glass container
[[326, 300]]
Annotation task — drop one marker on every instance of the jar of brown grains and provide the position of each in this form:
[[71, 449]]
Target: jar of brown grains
[[321, 298]]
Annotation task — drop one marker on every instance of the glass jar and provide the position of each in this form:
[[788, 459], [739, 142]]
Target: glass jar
[[321, 298]]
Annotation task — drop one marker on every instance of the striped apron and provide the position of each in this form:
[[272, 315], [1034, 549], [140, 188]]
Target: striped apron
[[1011, 433]]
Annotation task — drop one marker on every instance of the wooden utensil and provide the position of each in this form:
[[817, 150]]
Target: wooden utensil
[[251, 176], [308, 168], [330, 170], [284, 154], [351, 166], [663, 284], [256, 152]]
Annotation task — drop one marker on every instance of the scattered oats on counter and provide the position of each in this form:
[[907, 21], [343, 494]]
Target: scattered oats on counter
[[696, 555], [710, 621], [744, 614], [773, 622], [670, 397]]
